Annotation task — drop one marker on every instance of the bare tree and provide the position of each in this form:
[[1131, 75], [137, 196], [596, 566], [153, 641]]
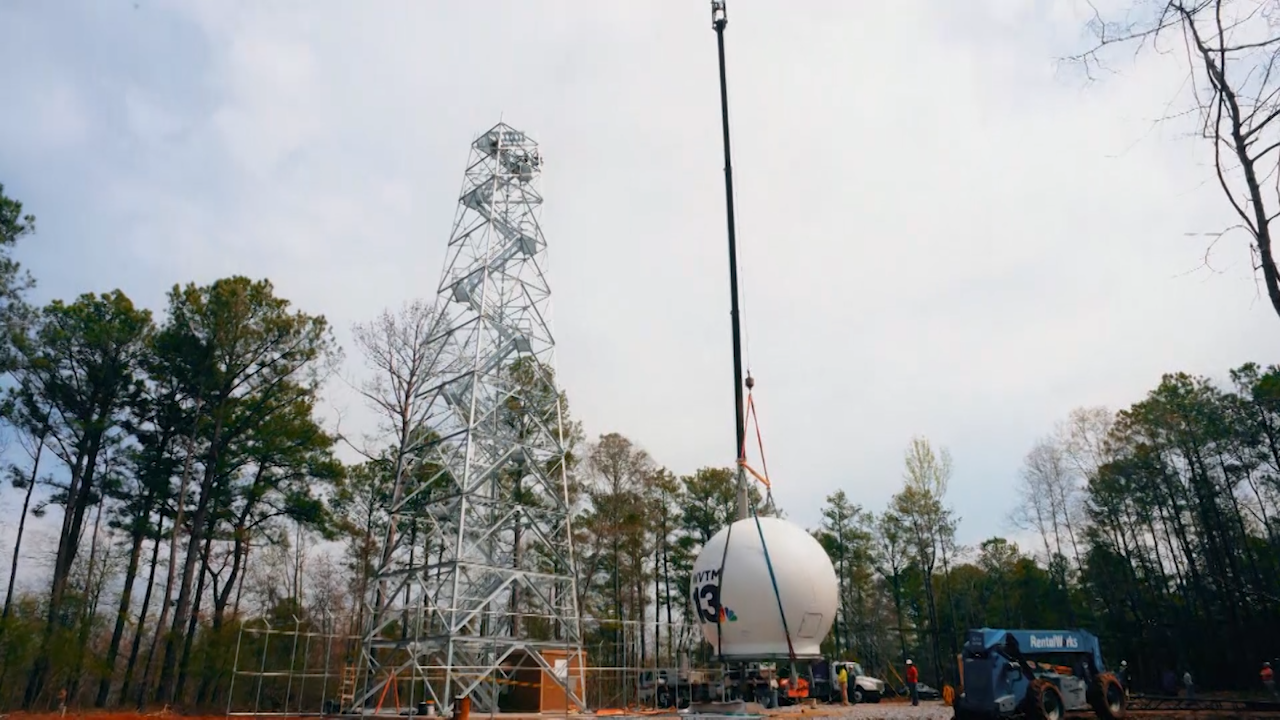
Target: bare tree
[[1230, 48], [404, 352], [1050, 498], [1034, 510], [1084, 438], [1054, 479]]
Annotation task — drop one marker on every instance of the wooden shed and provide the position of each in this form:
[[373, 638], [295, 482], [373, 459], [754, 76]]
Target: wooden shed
[[535, 690]]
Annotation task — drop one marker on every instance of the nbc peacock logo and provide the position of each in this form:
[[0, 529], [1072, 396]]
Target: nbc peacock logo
[[727, 615]]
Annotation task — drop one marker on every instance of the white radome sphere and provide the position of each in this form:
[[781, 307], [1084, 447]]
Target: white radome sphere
[[750, 618]]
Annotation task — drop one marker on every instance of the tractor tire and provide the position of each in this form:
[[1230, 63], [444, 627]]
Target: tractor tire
[[1043, 701], [1107, 697], [664, 699]]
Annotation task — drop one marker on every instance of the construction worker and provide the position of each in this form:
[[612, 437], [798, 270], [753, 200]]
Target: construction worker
[[1268, 678], [913, 678], [1124, 676], [842, 678]]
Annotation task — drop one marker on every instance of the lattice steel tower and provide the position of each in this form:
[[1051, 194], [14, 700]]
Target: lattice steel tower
[[484, 584]]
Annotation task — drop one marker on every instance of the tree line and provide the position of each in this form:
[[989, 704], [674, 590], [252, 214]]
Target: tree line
[[1156, 528], [196, 488]]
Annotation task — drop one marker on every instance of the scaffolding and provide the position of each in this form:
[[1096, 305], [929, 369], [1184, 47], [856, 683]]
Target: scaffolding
[[298, 666], [291, 666]]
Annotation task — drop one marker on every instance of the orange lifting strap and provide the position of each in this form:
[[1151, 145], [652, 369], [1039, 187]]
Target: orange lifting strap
[[742, 452]]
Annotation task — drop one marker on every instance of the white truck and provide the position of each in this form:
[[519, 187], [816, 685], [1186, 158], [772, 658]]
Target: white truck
[[862, 687]]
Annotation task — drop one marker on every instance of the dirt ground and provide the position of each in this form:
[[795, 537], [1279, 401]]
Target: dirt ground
[[936, 710], [931, 710], [888, 710], [109, 715]]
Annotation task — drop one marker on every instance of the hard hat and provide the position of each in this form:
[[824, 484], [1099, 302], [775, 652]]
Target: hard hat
[[1124, 663], [1266, 664], [908, 662]]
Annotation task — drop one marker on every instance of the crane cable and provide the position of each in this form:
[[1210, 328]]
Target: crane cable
[[773, 579]]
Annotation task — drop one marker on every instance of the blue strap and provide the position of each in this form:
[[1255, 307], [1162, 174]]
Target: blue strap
[[774, 580]]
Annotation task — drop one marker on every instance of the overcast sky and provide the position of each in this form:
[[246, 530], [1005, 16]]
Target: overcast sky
[[941, 231]]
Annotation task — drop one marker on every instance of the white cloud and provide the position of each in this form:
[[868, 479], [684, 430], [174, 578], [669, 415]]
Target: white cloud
[[941, 233], [54, 120]]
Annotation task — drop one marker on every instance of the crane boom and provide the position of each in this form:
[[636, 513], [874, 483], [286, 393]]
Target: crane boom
[[719, 19]]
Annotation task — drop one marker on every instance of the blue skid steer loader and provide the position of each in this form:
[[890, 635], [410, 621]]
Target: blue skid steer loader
[[1036, 674]]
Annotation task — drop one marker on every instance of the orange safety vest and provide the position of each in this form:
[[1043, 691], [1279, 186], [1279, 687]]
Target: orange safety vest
[[913, 675], [1267, 674]]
